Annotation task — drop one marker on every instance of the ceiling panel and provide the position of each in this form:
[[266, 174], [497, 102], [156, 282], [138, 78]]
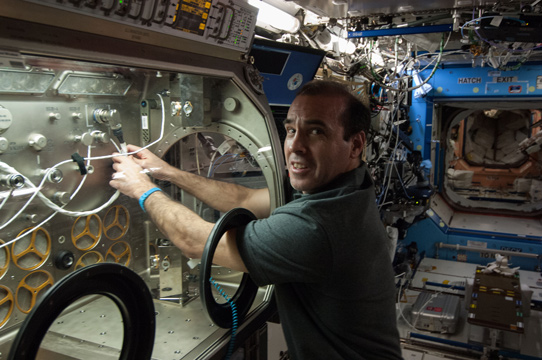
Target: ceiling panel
[[353, 8]]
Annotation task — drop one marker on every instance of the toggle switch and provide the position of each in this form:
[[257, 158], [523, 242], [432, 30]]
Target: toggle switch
[[55, 116]]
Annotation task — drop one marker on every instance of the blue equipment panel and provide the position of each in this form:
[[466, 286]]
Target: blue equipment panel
[[485, 82], [401, 31], [465, 83], [431, 231], [470, 83], [285, 68]]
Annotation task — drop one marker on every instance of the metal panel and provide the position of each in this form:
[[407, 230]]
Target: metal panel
[[342, 8], [70, 93]]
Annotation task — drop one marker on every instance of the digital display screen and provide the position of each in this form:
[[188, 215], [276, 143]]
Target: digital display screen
[[192, 16], [270, 61]]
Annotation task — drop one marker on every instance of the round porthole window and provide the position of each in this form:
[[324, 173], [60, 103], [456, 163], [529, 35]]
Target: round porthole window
[[118, 283]]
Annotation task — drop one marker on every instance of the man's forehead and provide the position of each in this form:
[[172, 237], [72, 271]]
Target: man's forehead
[[318, 101], [315, 108], [307, 121]]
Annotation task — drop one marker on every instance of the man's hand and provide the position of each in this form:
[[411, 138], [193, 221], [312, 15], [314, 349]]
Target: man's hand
[[129, 178], [158, 168]]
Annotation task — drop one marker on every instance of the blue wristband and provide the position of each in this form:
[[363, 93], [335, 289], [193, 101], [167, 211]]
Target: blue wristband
[[145, 196]]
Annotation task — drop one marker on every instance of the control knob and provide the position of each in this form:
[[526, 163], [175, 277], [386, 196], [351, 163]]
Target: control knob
[[230, 104], [37, 141], [64, 260], [86, 139]]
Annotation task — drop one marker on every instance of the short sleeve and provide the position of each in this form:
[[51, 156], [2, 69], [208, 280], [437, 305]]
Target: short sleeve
[[290, 246]]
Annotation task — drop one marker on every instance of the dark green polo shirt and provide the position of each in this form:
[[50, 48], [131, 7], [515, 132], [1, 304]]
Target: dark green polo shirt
[[328, 256]]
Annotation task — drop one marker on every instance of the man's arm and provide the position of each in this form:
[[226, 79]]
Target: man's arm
[[219, 195], [189, 232], [182, 226]]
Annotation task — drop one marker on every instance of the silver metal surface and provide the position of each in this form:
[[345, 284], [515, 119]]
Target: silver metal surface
[[446, 272], [94, 329], [203, 29], [484, 222], [436, 312], [73, 78]]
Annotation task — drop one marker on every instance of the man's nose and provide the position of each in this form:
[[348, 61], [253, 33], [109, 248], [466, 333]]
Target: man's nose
[[298, 143]]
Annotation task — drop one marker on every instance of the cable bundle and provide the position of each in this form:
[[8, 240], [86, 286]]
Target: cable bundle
[[235, 322]]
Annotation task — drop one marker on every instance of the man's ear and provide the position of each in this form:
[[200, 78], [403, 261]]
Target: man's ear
[[358, 144]]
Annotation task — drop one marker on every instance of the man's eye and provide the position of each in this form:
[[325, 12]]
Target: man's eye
[[316, 131], [290, 131]]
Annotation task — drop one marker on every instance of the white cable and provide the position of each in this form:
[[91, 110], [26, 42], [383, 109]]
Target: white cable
[[47, 219], [387, 142], [392, 159], [28, 202], [29, 231], [433, 296], [198, 205], [399, 304], [389, 87], [474, 20], [53, 206], [61, 209], [147, 146], [38, 188], [6, 198], [391, 171], [113, 198], [211, 163]]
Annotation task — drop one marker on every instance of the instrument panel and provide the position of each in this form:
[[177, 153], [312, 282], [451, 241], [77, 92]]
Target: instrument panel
[[227, 25], [63, 113]]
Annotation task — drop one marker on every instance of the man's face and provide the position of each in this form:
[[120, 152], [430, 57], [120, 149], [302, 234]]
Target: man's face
[[315, 149]]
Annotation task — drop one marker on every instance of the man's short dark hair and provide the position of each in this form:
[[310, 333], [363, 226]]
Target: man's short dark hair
[[356, 116]]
